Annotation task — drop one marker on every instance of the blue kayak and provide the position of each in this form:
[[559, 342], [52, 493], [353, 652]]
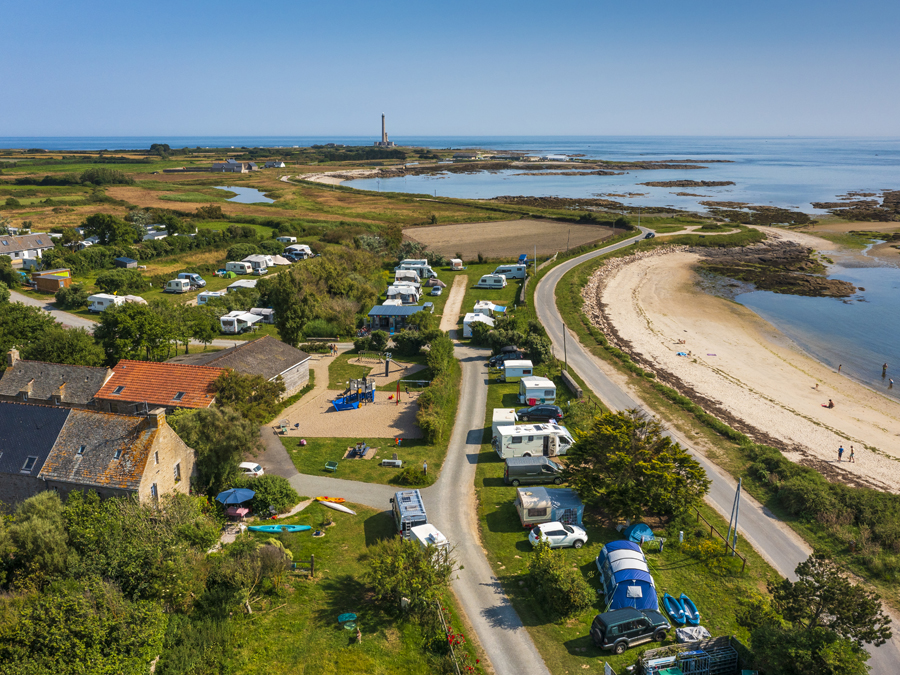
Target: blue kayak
[[673, 608], [691, 615], [277, 529]]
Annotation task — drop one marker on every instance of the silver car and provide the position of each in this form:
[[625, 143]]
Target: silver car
[[558, 535]]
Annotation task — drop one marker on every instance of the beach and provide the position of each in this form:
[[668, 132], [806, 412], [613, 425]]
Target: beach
[[752, 376]]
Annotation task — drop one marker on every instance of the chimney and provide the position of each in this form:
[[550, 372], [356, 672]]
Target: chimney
[[157, 418], [12, 357]]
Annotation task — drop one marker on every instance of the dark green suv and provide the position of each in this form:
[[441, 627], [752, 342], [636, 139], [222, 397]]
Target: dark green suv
[[623, 628]]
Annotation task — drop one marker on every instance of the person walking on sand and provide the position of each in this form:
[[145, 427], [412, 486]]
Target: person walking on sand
[[852, 455], [817, 386], [840, 453], [840, 366]]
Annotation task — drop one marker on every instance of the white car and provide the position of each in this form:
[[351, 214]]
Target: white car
[[251, 469], [558, 535]]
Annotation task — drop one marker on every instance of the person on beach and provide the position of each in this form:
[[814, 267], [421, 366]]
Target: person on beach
[[840, 453], [890, 384], [817, 386], [839, 367], [883, 371], [852, 455], [830, 404]]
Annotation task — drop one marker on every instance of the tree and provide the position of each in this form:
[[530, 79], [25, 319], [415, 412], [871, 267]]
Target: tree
[[109, 229], [59, 344], [253, 396], [39, 535], [122, 281], [4, 294], [221, 437], [22, 324], [793, 651], [270, 491], [13, 202], [557, 587], [9, 275], [241, 251], [378, 340], [824, 597], [204, 323], [134, 331], [625, 465], [400, 568], [73, 297]]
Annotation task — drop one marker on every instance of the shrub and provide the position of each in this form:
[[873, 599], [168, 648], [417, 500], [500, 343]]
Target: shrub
[[271, 490], [361, 344], [807, 496], [12, 201], [558, 587], [321, 328], [123, 281], [241, 251], [412, 476], [409, 342], [73, 297], [271, 247], [378, 341]]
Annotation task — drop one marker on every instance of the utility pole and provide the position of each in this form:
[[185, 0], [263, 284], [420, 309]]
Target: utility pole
[[735, 510], [565, 351]]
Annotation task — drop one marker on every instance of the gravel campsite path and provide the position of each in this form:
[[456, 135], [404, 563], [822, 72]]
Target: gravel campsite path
[[453, 308]]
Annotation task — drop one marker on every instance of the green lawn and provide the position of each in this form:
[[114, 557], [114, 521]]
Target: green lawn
[[297, 631], [262, 230], [192, 197]]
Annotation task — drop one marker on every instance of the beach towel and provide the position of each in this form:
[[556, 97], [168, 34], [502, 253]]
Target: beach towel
[[682, 354]]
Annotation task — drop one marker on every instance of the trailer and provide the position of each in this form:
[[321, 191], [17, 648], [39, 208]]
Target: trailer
[[537, 505], [536, 390], [502, 417], [532, 440], [491, 281], [515, 369]]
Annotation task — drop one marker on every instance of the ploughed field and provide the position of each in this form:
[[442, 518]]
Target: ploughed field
[[506, 238]]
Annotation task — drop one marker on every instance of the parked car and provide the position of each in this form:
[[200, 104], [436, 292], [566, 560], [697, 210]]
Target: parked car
[[558, 535], [437, 290], [251, 469], [540, 413], [623, 628], [497, 359], [649, 235], [260, 271]]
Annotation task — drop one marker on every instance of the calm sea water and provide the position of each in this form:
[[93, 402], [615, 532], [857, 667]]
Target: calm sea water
[[860, 333]]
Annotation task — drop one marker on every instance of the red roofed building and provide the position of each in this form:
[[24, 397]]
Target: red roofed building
[[138, 386]]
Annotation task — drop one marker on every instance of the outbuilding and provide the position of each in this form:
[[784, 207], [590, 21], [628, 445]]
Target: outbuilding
[[534, 390], [125, 263]]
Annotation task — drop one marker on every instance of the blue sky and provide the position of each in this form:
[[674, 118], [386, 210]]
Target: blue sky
[[198, 67]]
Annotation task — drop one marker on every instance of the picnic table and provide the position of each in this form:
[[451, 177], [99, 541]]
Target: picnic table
[[237, 511]]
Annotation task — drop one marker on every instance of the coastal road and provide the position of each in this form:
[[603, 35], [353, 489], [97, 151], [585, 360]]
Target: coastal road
[[777, 543]]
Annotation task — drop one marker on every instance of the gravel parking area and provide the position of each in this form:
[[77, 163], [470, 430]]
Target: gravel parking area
[[382, 419]]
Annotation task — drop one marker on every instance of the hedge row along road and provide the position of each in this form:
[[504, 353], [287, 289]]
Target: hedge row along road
[[777, 543]]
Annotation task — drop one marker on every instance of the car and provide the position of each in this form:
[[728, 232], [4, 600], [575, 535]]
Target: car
[[558, 535], [260, 271], [437, 290], [251, 469], [497, 359], [540, 413], [650, 235], [620, 629]]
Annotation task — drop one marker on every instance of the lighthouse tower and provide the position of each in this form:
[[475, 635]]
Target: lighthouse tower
[[384, 142]]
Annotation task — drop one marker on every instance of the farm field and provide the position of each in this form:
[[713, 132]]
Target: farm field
[[506, 238]]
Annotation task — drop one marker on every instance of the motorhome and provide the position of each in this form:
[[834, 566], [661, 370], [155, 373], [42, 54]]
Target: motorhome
[[195, 279], [206, 296], [515, 369], [502, 417], [239, 267], [409, 511], [177, 286], [512, 271], [535, 390], [532, 440], [420, 267], [428, 535], [491, 281], [303, 250]]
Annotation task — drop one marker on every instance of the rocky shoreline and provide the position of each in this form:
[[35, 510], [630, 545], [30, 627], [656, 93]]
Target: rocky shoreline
[[688, 183]]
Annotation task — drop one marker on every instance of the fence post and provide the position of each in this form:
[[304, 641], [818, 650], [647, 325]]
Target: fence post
[[312, 565]]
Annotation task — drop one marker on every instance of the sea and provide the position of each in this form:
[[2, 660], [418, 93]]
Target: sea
[[859, 334]]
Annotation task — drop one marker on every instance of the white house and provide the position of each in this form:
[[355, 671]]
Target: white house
[[237, 321], [275, 164], [473, 318], [24, 246]]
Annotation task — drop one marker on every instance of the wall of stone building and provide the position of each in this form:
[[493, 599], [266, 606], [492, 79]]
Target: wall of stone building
[[15, 488], [167, 451], [295, 379]]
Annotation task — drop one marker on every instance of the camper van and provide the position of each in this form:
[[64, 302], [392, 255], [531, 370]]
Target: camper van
[[195, 279], [514, 370], [536, 390], [532, 440], [531, 470], [491, 281], [177, 286], [428, 535], [409, 511], [502, 417], [239, 267], [512, 271]]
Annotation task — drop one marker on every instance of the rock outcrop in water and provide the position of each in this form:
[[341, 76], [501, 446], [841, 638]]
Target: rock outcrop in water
[[688, 183]]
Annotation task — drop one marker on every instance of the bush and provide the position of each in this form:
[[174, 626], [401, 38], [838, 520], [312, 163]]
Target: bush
[[807, 496], [409, 342], [378, 341], [271, 247], [361, 344], [123, 281], [412, 476], [321, 328], [561, 589], [241, 251], [314, 347], [73, 297], [12, 201], [271, 490]]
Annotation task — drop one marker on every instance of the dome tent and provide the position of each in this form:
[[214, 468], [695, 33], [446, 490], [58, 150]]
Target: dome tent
[[625, 576]]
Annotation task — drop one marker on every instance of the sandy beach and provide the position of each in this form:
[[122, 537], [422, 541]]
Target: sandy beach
[[747, 369]]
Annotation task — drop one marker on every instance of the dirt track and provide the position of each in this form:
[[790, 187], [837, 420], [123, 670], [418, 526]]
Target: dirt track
[[506, 238]]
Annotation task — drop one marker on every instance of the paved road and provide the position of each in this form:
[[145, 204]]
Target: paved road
[[75, 321], [780, 545]]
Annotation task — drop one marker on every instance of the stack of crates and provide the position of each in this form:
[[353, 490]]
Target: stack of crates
[[693, 663]]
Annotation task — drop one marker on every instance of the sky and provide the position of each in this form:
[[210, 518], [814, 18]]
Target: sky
[[302, 68]]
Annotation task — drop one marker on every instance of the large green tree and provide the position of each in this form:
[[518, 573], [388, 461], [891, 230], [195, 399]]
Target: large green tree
[[21, 325], [59, 344], [135, 331], [109, 229], [399, 568], [253, 396], [627, 466], [4, 293]]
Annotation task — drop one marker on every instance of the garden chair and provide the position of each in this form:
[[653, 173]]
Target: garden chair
[[331, 466]]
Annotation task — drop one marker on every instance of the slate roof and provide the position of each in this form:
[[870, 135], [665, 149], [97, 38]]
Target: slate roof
[[395, 310], [82, 382], [158, 384], [264, 356], [10, 244], [28, 431], [101, 435]]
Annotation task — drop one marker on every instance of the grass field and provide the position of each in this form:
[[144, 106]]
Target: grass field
[[297, 631]]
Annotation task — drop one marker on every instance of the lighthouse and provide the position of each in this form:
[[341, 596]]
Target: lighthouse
[[384, 142]]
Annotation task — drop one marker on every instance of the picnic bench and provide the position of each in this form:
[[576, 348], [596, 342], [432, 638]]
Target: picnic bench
[[331, 466]]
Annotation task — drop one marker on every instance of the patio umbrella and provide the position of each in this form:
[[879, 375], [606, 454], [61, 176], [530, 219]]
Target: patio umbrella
[[235, 496]]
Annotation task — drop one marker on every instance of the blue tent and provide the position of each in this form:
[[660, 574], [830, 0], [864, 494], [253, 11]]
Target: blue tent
[[625, 576], [638, 533]]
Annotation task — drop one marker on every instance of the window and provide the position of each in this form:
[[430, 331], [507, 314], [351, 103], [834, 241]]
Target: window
[[516, 439], [81, 449], [118, 390], [178, 472], [154, 491], [118, 454], [179, 395], [531, 439], [549, 393], [537, 513], [526, 372], [24, 395], [156, 457], [29, 464]]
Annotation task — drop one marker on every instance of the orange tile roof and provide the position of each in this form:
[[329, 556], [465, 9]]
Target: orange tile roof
[[161, 383]]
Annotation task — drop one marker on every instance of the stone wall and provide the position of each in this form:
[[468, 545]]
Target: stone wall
[[295, 379], [167, 451], [15, 488]]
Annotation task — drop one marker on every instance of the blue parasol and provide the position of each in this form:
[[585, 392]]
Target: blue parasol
[[235, 496]]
